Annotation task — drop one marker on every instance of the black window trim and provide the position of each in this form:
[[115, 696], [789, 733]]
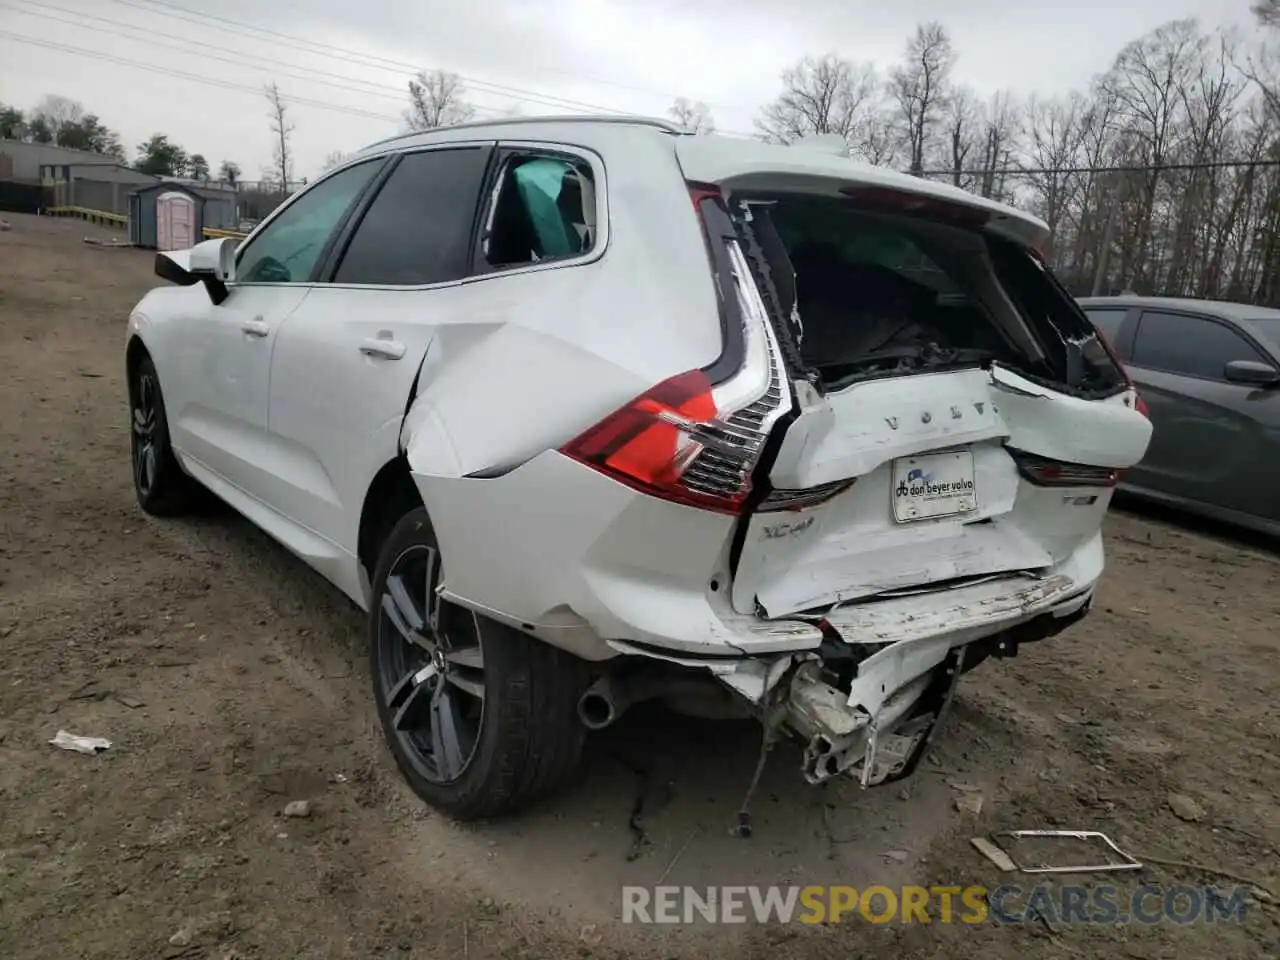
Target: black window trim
[[342, 242], [506, 149], [1194, 315], [316, 269]]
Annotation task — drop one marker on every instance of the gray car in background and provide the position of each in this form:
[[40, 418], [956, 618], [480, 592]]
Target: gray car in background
[[1209, 373]]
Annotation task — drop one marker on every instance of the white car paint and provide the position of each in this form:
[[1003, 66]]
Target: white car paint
[[288, 399]]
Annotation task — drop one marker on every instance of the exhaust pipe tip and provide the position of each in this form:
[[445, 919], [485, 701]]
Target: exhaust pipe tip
[[596, 710]]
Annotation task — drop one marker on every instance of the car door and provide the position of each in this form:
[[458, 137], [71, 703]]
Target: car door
[[1206, 434], [346, 361], [218, 389]]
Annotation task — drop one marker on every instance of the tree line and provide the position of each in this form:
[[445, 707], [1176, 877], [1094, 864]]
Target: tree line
[[63, 122], [1160, 176]]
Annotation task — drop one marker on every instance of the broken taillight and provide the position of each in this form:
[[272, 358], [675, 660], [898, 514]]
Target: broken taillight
[[650, 443], [1044, 472]]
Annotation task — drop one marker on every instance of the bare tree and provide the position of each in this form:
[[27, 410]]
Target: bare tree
[[919, 87], [962, 117], [823, 95], [436, 100], [281, 129], [694, 117], [58, 112], [1267, 12]]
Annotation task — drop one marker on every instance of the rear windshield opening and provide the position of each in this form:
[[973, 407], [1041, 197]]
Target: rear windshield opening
[[890, 294]]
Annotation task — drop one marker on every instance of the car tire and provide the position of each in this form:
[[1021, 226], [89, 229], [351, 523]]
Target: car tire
[[469, 756], [162, 487]]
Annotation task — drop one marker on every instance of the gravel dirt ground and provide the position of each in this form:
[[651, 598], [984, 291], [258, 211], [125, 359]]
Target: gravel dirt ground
[[230, 680]]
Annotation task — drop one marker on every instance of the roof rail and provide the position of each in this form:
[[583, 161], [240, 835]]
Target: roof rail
[[637, 120]]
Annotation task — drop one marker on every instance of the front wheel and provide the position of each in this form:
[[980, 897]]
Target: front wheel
[[162, 487], [481, 719]]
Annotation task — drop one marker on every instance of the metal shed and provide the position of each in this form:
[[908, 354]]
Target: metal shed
[[166, 216]]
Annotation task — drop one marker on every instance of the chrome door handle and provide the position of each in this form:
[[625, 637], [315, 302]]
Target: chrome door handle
[[387, 349], [255, 328]]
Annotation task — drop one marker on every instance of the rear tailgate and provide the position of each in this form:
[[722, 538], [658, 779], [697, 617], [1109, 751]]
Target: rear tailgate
[[873, 538], [992, 448]]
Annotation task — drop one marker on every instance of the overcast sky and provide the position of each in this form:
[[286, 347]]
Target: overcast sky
[[628, 55]]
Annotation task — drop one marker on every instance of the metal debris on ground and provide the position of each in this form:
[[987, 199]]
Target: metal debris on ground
[[90, 745], [993, 853], [1124, 860], [970, 803]]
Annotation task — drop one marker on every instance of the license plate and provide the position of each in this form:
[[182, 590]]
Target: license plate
[[937, 485]]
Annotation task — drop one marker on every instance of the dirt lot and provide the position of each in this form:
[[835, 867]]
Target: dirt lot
[[231, 681]]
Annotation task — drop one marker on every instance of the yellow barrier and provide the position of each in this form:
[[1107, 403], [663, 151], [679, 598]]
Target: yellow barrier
[[84, 213], [211, 233]]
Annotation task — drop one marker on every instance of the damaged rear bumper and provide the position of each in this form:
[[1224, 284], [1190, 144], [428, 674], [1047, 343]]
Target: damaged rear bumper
[[910, 652]]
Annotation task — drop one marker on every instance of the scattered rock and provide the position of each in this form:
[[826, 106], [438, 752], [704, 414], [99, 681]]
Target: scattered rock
[[898, 856], [904, 794], [181, 939], [589, 935], [297, 808], [963, 787], [969, 803], [131, 702], [1184, 808]]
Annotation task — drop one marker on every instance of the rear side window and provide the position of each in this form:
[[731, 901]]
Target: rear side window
[[1107, 321], [287, 249], [418, 228], [544, 209], [1193, 346]]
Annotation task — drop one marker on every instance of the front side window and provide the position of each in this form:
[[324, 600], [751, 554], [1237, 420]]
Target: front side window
[[1193, 346], [545, 209], [418, 228], [287, 249]]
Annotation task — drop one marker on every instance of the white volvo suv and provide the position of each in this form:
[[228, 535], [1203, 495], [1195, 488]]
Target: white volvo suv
[[586, 412]]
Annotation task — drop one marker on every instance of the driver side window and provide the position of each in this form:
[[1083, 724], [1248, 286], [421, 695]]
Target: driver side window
[[287, 249]]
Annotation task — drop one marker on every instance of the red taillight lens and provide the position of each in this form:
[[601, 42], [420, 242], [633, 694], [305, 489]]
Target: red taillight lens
[[1141, 405], [1044, 472], [649, 443]]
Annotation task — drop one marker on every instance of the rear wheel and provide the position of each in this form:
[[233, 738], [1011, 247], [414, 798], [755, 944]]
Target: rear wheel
[[481, 719], [162, 487]]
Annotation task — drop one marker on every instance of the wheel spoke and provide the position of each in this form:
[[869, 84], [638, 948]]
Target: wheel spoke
[[445, 742], [411, 699], [466, 684], [469, 657], [431, 595], [405, 604], [148, 466], [395, 614]]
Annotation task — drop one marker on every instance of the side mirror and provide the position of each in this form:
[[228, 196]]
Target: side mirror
[[212, 263], [215, 258], [1252, 372]]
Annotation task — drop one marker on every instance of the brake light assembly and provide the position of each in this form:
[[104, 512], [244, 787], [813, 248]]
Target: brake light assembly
[[693, 441], [1044, 472]]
